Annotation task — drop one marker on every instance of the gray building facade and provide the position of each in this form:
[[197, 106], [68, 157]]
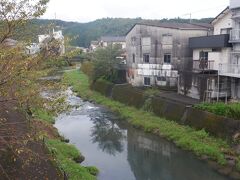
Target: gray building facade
[[157, 51]]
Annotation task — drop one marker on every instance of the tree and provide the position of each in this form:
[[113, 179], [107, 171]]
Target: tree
[[105, 62]]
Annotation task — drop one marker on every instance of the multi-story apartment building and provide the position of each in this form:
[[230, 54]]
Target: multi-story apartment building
[[157, 51], [215, 71]]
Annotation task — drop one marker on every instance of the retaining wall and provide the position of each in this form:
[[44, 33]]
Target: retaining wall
[[216, 125]]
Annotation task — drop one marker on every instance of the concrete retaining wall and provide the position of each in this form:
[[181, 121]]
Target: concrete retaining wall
[[216, 125]]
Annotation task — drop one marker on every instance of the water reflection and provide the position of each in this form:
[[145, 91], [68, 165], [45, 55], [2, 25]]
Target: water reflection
[[107, 135], [123, 153]]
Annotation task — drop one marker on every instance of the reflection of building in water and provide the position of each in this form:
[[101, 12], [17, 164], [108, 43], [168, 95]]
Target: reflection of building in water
[[153, 158]]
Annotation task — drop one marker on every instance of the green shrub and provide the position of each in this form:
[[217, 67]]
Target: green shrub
[[231, 110]]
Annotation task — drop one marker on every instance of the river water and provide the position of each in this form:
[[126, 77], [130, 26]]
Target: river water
[[121, 152]]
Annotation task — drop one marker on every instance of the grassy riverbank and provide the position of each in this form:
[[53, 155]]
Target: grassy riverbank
[[199, 142], [67, 157]]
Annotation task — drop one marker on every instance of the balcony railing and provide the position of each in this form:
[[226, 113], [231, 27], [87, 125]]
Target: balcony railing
[[235, 35], [230, 70], [203, 65]]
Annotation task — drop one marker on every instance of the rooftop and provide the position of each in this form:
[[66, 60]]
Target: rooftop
[[113, 38]]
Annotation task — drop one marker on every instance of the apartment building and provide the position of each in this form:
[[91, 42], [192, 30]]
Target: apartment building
[[157, 51]]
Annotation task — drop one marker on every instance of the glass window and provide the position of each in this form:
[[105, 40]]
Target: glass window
[[203, 55], [167, 58], [133, 58], [146, 58], [147, 81]]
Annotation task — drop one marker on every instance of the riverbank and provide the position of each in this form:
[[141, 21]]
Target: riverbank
[[199, 142], [66, 156]]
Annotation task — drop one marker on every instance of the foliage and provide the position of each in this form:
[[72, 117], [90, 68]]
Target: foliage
[[66, 154], [87, 68], [87, 32], [231, 110], [104, 63], [44, 115], [151, 92], [200, 142]]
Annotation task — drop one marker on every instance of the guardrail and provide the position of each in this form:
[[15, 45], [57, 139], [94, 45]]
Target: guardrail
[[203, 64]]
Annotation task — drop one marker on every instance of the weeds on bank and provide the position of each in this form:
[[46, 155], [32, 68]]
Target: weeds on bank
[[185, 137], [66, 154]]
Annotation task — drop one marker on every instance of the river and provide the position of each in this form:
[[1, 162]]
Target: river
[[121, 152]]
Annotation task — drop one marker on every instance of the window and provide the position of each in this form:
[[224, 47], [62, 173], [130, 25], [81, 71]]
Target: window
[[147, 81], [146, 58], [203, 55], [146, 41], [225, 30], [167, 58], [161, 78], [133, 58]]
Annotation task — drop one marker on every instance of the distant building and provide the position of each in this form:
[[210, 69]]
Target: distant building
[[10, 42], [32, 49], [113, 40], [157, 51], [106, 41], [45, 39]]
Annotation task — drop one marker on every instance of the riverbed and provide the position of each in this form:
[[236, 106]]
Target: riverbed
[[121, 152]]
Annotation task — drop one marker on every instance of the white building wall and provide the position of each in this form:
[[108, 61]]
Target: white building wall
[[223, 23]]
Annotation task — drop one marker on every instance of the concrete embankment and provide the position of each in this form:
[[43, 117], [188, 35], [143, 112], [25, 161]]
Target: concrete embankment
[[183, 114]]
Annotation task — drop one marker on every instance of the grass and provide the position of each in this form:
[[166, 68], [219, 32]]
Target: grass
[[65, 155], [231, 110], [199, 142], [44, 115]]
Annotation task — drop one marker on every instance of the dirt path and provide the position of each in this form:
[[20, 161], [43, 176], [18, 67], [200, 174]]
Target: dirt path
[[21, 156]]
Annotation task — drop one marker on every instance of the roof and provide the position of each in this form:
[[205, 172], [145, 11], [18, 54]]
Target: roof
[[10, 42], [174, 25], [223, 13], [113, 38]]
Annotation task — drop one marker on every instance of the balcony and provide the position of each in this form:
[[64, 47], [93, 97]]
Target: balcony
[[215, 41], [234, 36], [230, 70], [203, 65], [160, 70]]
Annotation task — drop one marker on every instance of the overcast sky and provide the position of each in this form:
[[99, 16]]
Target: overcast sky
[[89, 10]]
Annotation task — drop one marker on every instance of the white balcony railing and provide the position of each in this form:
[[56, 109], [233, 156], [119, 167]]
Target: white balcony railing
[[235, 35], [157, 70], [230, 70]]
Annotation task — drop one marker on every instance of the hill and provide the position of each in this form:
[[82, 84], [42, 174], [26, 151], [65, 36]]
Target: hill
[[84, 33]]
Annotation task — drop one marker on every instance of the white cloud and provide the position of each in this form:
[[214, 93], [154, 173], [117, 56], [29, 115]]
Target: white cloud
[[89, 10]]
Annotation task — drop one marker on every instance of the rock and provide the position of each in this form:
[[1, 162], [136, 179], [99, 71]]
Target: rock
[[237, 149], [235, 175], [236, 136], [204, 157], [225, 171], [79, 159], [231, 162]]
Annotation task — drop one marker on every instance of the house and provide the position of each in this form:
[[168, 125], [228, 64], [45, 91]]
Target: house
[[215, 69], [93, 45], [10, 43], [32, 49], [113, 40], [231, 69], [157, 51], [200, 79], [57, 36]]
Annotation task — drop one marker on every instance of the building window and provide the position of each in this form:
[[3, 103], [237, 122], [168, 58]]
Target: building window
[[161, 78], [146, 58], [167, 58], [225, 30], [203, 55], [133, 58], [147, 81], [146, 41]]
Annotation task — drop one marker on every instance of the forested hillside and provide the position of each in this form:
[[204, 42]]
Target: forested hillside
[[84, 33]]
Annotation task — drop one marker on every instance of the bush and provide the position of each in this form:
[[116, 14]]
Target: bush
[[228, 110], [87, 67]]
